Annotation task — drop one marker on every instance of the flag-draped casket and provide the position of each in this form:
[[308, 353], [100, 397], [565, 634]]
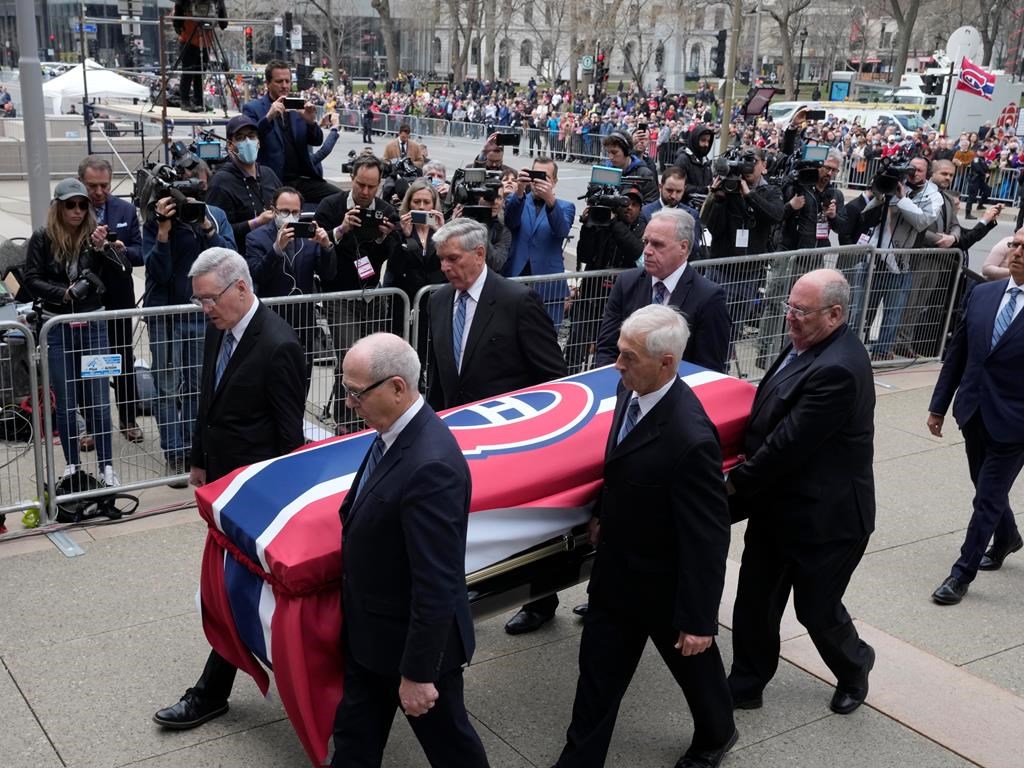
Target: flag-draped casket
[[271, 573]]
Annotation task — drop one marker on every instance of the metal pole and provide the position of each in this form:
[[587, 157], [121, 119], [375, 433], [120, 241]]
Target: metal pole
[[755, 62], [85, 82], [730, 74], [30, 75], [948, 97]]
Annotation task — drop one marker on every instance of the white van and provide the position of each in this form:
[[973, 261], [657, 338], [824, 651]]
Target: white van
[[905, 121]]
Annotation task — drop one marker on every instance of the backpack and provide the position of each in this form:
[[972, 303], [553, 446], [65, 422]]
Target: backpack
[[81, 510]]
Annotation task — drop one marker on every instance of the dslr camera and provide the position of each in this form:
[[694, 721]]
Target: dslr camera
[[731, 167], [892, 171], [475, 189]]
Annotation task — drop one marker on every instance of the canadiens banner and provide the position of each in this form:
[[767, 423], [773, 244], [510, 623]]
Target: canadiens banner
[[270, 586]]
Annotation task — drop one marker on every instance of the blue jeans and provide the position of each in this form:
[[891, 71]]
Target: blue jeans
[[65, 346], [892, 289], [176, 344]]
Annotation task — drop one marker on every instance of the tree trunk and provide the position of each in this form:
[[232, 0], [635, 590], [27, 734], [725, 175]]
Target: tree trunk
[[490, 34], [905, 21], [788, 73], [387, 28], [574, 45]]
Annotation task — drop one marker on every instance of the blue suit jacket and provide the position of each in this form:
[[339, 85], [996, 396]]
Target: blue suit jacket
[[272, 138], [123, 219], [983, 377], [404, 556], [538, 239]]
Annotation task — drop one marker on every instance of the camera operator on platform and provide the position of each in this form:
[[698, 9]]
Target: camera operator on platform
[[196, 38]]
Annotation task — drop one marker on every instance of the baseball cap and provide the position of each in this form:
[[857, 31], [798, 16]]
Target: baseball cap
[[68, 188], [238, 122], [635, 194]]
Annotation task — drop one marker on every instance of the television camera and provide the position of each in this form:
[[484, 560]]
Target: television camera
[[155, 181]]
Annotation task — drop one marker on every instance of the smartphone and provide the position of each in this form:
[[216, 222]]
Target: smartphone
[[294, 102], [507, 139], [419, 217], [641, 126], [538, 175], [306, 229], [112, 237], [815, 114]]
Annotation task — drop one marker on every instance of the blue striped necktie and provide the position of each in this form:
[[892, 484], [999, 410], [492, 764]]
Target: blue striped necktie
[[226, 348], [632, 417], [660, 292], [376, 454], [1005, 317], [459, 328], [786, 360]]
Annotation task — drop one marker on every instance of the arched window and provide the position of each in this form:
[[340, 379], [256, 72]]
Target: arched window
[[719, 17], [698, 19], [504, 60], [474, 52], [436, 50], [627, 52], [526, 54], [695, 58], [547, 50]]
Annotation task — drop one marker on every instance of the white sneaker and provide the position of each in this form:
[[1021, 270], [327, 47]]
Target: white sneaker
[[110, 478], [69, 470]]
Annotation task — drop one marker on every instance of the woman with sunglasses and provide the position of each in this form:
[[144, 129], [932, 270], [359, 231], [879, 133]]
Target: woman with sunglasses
[[65, 275]]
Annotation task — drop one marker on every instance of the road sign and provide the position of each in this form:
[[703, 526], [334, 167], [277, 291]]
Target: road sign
[[297, 38], [587, 62], [89, 28]]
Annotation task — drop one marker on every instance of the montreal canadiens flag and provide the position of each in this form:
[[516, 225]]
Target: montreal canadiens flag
[[976, 80], [271, 573]]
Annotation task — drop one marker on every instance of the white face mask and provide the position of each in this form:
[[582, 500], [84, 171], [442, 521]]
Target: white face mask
[[284, 218]]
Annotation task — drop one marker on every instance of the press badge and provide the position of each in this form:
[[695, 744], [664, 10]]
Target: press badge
[[821, 231], [742, 238], [365, 268], [865, 238], [95, 366]]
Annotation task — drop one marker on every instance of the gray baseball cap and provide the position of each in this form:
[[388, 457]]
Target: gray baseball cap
[[68, 188]]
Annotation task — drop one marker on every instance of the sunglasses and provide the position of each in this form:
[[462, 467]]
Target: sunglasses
[[82, 205]]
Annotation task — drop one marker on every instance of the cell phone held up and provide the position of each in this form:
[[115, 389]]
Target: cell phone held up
[[304, 229], [542, 175], [507, 139], [369, 223], [419, 217], [294, 102]]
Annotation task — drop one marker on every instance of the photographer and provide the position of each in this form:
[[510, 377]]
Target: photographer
[[196, 39], [615, 243], [487, 205], [740, 212], [175, 233], [813, 207], [618, 148], [241, 187], [493, 155], [693, 159], [404, 147], [66, 274], [415, 263]]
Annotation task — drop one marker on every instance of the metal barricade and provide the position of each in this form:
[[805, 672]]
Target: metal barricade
[[21, 426], [1003, 183]]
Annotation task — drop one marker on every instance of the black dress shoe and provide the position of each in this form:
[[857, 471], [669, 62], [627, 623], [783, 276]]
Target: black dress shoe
[[190, 712], [750, 702], [844, 701], [993, 559], [527, 621], [950, 592], [706, 758], [582, 608]]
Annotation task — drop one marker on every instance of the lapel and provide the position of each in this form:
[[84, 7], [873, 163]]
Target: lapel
[[481, 318], [682, 288], [1015, 325], [249, 340], [647, 429], [444, 348], [533, 216], [771, 381]]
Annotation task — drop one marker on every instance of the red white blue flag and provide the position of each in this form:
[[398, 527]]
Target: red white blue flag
[[270, 586], [976, 80]]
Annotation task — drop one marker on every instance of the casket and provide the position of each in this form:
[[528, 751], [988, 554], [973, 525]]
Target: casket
[[272, 567]]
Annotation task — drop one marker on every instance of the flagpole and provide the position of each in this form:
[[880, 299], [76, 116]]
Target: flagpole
[[950, 90]]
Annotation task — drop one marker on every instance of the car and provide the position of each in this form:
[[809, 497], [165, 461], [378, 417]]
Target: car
[[272, 567]]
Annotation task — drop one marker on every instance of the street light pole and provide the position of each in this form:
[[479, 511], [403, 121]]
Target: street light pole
[[800, 66]]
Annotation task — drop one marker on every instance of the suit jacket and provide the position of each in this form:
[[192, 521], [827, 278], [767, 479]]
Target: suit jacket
[[393, 150], [272, 138], [538, 238], [664, 516], [984, 378], [404, 556], [511, 344], [699, 299], [808, 447], [123, 220], [256, 412]]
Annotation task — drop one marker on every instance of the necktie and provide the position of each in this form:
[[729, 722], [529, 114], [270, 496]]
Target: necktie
[[1006, 316], [404, 150], [632, 417], [101, 214], [786, 360], [226, 348], [376, 454], [459, 327], [660, 292]]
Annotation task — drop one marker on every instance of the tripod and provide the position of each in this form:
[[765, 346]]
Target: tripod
[[204, 59]]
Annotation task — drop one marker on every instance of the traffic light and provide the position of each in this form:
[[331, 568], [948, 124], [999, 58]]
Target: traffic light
[[929, 83], [249, 55], [719, 66], [287, 22]]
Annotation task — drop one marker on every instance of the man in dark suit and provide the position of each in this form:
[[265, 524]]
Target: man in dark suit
[[667, 278], [488, 336], [808, 488], [661, 528], [250, 409], [407, 630], [983, 365], [287, 134]]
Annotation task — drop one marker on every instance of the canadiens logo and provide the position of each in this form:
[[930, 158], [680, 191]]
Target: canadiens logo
[[524, 420]]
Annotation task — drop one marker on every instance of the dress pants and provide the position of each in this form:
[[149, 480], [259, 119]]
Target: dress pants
[[217, 679], [994, 467], [313, 190], [610, 649], [817, 574], [367, 710]]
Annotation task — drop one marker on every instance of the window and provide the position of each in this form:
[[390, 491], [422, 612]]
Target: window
[[634, 15], [627, 53], [436, 50], [474, 52], [659, 57], [698, 19], [548, 12], [695, 58], [547, 50], [504, 56], [526, 54], [719, 18], [528, 11]]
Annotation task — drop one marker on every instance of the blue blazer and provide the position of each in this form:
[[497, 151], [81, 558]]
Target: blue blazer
[[983, 377], [274, 276], [272, 138], [538, 239], [404, 556], [123, 219]]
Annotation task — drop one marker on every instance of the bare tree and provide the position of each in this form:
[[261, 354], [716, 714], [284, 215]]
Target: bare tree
[[332, 25], [905, 12], [387, 28], [991, 18], [787, 15]]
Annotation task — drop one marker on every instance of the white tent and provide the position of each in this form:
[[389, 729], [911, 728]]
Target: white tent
[[103, 84]]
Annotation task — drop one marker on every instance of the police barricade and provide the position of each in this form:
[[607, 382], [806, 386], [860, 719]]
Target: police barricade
[[21, 426], [1003, 183], [150, 374]]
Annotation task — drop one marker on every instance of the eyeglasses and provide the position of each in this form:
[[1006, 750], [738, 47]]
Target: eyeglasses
[[209, 302], [82, 205], [287, 212], [1013, 245], [802, 313], [357, 395]]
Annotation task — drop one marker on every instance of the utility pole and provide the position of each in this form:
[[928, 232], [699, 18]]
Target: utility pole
[[730, 74], [30, 74], [755, 62]]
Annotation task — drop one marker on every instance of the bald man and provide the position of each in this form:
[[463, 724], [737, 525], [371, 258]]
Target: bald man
[[808, 489]]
